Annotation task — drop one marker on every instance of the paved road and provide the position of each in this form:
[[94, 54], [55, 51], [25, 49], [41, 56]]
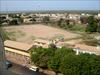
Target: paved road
[[20, 70], [6, 72]]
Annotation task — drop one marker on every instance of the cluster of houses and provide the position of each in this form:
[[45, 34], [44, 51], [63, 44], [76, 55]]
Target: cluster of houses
[[38, 17], [18, 52]]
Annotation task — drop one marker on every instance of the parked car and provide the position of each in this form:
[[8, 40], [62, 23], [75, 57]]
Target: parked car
[[34, 68], [8, 64]]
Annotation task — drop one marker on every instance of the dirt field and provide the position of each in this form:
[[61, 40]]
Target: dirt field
[[27, 33]]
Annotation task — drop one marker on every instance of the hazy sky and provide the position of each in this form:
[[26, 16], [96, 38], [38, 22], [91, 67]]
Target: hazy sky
[[20, 5]]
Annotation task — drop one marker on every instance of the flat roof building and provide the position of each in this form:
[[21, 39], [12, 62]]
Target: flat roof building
[[17, 52], [17, 45]]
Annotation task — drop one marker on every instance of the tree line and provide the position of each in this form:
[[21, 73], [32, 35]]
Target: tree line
[[64, 60], [90, 24]]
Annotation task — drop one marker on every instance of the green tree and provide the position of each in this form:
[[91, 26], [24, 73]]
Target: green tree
[[84, 20], [14, 22], [46, 19], [40, 56], [92, 25], [98, 27], [55, 61], [65, 61], [62, 23], [89, 64], [70, 65], [83, 64]]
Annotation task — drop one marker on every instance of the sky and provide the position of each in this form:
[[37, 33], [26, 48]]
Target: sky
[[35, 5]]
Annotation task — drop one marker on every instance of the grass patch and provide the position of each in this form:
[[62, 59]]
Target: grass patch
[[13, 35]]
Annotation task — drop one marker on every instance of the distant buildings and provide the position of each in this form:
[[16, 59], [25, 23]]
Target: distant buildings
[[38, 17], [27, 20], [99, 15]]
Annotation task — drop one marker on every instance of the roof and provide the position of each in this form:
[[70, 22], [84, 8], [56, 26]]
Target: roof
[[17, 51], [17, 45], [87, 48], [42, 41], [60, 44]]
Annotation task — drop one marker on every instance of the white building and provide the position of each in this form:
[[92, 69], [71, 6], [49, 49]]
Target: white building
[[81, 48]]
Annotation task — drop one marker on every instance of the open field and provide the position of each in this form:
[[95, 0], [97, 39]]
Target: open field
[[27, 33]]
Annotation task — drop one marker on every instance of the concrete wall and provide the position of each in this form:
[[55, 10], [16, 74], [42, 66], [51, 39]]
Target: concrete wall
[[17, 58]]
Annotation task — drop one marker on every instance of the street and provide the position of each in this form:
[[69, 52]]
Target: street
[[20, 70]]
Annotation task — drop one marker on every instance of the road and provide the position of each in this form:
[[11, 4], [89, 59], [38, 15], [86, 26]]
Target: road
[[20, 70]]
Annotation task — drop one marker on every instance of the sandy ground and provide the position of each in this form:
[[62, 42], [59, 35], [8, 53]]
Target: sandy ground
[[39, 31]]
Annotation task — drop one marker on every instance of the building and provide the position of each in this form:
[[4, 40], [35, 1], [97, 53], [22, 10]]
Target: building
[[27, 20], [17, 52], [81, 48], [99, 15], [41, 43]]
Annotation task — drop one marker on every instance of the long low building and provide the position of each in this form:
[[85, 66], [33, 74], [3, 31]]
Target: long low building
[[82, 48], [17, 52]]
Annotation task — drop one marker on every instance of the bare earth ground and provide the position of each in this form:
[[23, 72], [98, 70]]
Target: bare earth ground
[[26, 33]]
